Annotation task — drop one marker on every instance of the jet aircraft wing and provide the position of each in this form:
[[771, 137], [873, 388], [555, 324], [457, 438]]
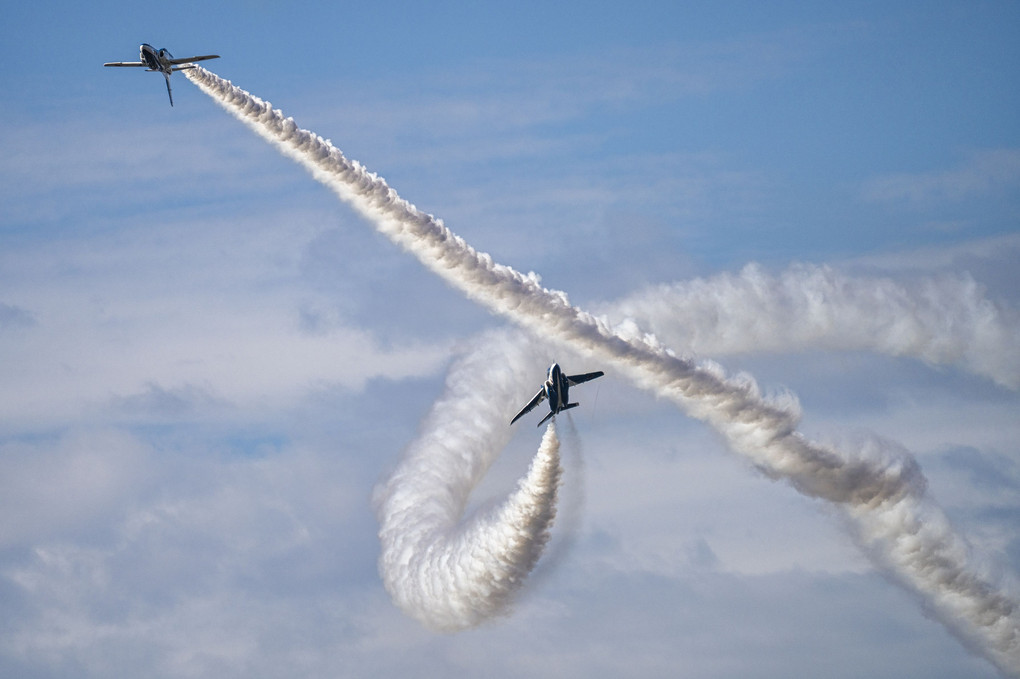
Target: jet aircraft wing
[[539, 397], [191, 59], [578, 379], [126, 63]]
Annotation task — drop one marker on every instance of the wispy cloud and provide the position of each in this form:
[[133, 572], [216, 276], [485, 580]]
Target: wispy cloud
[[981, 173], [151, 321], [13, 316]]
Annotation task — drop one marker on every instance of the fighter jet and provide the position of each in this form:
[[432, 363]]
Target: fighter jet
[[556, 389], [162, 61]]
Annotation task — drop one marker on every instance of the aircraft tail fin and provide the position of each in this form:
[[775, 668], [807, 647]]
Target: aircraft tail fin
[[545, 419]]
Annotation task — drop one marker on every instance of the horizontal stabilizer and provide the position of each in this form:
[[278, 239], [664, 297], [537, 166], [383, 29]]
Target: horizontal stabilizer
[[566, 407]]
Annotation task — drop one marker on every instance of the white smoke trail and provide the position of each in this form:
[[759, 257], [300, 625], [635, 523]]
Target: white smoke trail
[[447, 574], [945, 320], [883, 494]]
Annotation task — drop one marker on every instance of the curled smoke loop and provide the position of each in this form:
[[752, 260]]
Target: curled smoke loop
[[884, 497], [447, 573]]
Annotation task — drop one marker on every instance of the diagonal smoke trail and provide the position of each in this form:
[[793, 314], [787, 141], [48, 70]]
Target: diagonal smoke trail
[[944, 320], [883, 495]]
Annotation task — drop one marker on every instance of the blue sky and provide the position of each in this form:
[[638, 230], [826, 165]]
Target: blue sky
[[209, 362]]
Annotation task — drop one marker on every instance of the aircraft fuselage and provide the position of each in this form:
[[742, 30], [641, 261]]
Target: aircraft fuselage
[[155, 59], [557, 389]]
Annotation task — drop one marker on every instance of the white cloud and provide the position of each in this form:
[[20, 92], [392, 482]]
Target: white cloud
[[161, 317], [980, 173], [215, 565], [69, 487]]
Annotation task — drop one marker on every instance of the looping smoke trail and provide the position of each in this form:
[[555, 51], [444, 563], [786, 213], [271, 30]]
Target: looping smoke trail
[[901, 528], [941, 320], [447, 574]]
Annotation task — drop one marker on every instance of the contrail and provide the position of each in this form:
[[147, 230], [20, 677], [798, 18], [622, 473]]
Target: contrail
[[878, 488], [448, 574], [944, 320]]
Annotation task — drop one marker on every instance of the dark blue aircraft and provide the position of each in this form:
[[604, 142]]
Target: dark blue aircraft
[[557, 390], [153, 59]]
